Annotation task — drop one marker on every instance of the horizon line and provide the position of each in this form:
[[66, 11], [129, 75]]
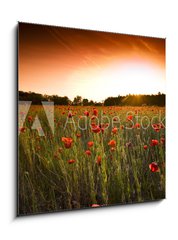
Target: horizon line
[[119, 95]]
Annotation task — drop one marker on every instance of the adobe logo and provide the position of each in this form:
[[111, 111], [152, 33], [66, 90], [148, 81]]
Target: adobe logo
[[23, 110]]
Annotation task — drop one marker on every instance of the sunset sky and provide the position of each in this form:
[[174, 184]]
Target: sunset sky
[[91, 64]]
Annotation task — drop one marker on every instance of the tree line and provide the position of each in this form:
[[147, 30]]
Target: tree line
[[128, 100]]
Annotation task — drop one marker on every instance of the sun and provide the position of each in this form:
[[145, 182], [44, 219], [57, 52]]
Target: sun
[[119, 79]]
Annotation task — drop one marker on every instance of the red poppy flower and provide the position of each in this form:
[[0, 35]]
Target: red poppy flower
[[162, 140], [78, 135], [154, 142], [95, 111], [145, 147], [114, 130], [95, 205], [115, 119], [86, 113], [154, 167], [98, 161], [90, 144], [122, 127], [103, 126], [67, 142], [112, 143], [95, 129], [137, 125], [22, 129], [156, 127], [88, 152], [102, 129], [129, 118], [69, 115], [30, 118], [71, 161]]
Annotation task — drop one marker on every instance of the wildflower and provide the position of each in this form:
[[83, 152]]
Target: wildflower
[[129, 117], [95, 128], [154, 142], [69, 115], [137, 125], [88, 152], [115, 119], [145, 147], [78, 135], [67, 142], [156, 127], [95, 112], [98, 161], [30, 118], [22, 129], [112, 143], [71, 161], [154, 167], [86, 113], [90, 144], [114, 130], [122, 127]]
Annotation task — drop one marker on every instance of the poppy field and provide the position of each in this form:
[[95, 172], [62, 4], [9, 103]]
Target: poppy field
[[94, 157]]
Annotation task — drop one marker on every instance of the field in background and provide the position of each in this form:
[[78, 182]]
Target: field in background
[[87, 162]]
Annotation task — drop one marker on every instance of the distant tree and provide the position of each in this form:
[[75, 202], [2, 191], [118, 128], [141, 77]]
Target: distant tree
[[98, 104], [91, 103], [77, 100], [128, 100], [37, 98], [85, 102], [59, 100], [136, 100]]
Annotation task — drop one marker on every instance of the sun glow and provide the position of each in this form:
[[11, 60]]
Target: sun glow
[[118, 79]]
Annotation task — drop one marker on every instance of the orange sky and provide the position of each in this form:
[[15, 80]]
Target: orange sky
[[94, 65]]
